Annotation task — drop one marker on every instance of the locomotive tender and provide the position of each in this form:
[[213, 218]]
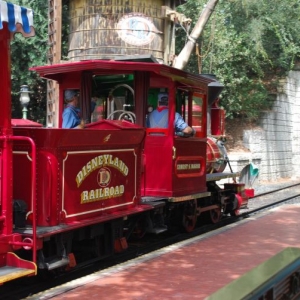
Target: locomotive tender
[[80, 194]]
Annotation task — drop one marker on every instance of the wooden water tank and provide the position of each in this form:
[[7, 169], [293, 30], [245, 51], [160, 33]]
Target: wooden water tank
[[111, 29]]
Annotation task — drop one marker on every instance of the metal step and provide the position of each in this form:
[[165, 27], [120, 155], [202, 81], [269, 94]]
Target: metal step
[[161, 229], [57, 263], [158, 229], [8, 273], [15, 268]]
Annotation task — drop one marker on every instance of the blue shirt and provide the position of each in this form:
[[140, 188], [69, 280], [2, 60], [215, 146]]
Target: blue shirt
[[159, 119], [71, 117]]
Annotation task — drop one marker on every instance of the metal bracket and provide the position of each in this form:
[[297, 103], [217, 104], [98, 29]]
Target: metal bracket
[[174, 16]]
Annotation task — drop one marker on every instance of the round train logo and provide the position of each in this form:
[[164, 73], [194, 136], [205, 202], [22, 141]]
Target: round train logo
[[104, 177], [136, 30]]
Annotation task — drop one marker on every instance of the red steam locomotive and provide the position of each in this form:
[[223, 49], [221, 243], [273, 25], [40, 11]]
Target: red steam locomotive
[[68, 195]]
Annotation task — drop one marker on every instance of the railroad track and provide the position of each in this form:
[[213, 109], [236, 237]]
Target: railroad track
[[273, 198], [24, 288]]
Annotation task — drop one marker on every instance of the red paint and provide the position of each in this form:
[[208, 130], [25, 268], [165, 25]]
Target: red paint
[[63, 154], [5, 129], [249, 192]]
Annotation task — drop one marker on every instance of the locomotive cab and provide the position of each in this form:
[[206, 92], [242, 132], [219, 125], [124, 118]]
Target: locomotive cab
[[175, 164]]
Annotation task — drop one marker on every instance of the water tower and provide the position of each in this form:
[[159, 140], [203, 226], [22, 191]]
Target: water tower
[[123, 29]]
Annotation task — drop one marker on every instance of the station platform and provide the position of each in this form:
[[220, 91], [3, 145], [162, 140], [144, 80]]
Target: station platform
[[193, 269]]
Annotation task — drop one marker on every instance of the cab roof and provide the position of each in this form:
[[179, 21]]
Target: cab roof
[[109, 67]]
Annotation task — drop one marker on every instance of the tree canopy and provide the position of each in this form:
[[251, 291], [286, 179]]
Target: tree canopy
[[247, 44], [29, 52]]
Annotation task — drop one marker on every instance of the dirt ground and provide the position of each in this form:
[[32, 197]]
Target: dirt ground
[[234, 129]]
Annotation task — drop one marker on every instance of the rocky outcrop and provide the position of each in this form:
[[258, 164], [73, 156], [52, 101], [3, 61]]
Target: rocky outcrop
[[275, 145]]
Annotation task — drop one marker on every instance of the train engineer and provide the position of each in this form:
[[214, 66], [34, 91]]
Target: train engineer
[[159, 117], [71, 113]]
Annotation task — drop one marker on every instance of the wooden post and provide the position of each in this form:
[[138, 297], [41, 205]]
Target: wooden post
[[54, 56]]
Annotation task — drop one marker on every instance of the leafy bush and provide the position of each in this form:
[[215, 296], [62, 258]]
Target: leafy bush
[[29, 52], [248, 45]]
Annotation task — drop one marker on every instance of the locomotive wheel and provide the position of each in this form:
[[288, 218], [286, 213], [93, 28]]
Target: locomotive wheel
[[189, 222], [215, 215], [140, 229], [190, 216], [139, 233], [235, 213]]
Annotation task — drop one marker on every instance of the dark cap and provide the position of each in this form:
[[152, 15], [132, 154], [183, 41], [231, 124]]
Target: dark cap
[[69, 94], [163, 99]]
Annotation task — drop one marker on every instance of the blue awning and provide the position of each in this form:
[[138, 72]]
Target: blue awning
[[19, 19]]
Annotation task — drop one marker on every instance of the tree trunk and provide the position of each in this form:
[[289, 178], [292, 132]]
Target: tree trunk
[[183, 57]]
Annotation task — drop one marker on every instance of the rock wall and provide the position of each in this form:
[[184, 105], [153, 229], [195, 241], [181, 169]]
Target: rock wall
[[275, 147]]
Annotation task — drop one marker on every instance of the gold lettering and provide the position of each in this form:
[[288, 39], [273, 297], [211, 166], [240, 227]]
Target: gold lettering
[[84, 196], [84, 171], [79, 178], [106, 192], [98, 162], [121, 165], [125, 171], [182, 167], [116, 162], [116, 191], [106, 156], [194, 166], [88, 167], [94, 163], [111, 191], [92, 194], [102, 194]]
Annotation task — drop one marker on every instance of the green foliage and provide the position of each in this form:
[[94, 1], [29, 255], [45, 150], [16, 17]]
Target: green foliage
[[29, 52], [26, 53], [248, 45]]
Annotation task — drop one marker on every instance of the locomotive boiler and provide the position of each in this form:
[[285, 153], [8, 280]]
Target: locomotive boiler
[[69, 196]]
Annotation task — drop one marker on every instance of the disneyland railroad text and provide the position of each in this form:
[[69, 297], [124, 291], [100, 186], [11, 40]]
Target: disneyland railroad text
[[101, 194], [98, 162]]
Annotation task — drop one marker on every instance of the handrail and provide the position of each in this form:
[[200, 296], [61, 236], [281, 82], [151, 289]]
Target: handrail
[[33, 196]]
